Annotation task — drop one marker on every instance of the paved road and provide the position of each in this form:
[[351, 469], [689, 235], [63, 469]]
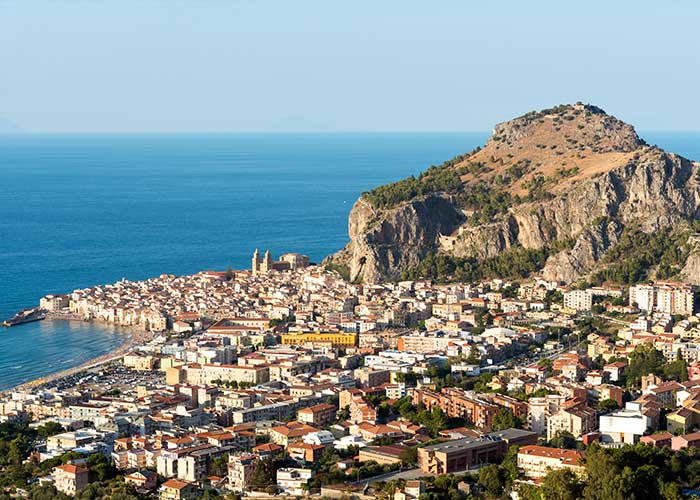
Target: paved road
[[409, 474], [406, 474]]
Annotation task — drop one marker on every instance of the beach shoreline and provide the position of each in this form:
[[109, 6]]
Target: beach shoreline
[[135, 337]]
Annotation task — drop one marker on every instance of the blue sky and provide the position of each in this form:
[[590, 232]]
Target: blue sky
[[256, 65]]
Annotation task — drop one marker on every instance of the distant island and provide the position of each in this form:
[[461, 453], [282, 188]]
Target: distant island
[[570, 193]]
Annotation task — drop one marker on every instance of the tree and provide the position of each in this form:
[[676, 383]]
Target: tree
[[343, 414], [434, 420], [101, 469], [563, 439], [263, 473], [671, 491], [509, 466], [644, 360], [18, 450], [219, 465], [546, 363], [210, 494], [606, 480], [490, 478], [561, 484], [409, 456], [505, 419], [529, 492], [608, 405], [676, 370], [46, 492], [474, 357], [49, 429]]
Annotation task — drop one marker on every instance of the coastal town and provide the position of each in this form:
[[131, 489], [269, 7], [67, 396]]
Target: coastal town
[[287, 380]]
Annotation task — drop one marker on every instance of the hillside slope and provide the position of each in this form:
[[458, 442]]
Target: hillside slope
[[551, 192]]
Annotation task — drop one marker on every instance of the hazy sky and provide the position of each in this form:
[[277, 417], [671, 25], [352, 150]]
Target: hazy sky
[[329, 65]]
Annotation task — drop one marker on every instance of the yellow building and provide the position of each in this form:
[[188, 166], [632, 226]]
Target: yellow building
[[336, 339], [174, 489], [175, 375], [139, 362]]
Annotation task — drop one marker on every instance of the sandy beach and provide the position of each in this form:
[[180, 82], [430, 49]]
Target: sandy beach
[[137, 337]]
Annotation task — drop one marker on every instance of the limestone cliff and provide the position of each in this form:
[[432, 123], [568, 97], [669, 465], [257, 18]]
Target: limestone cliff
[[569, 174]]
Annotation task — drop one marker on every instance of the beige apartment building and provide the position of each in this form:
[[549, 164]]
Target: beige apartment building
[[240, 470], [536, 461], [578, 421], [318, 415], [229, 373], [70, 478]]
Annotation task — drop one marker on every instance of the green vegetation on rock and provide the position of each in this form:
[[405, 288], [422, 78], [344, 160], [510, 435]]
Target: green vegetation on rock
[[437, 178], [637, 252], [517, 262]]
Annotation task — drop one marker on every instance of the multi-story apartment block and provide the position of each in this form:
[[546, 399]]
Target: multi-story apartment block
[[536, 461], [318, 415], [240, 470], [335, 339], [458, 403], [70, 478], [578, 300], [578, 420], [253, 375], [664, 297]]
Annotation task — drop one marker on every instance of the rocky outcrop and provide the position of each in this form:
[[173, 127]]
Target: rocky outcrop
[[691, 270], [384, 242], [642, 185]]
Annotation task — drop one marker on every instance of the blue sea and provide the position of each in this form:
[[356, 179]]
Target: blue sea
[[79, 210]]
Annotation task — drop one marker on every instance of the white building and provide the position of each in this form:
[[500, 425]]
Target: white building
[[624, 426], [578, 300], [292, 481], [667, 298], [643, 296], [324, 438], [539, 409]]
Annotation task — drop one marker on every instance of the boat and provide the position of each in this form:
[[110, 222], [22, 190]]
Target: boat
[[26, 316]]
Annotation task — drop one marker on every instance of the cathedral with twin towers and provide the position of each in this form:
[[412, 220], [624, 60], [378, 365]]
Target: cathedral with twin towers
[[286, 262]]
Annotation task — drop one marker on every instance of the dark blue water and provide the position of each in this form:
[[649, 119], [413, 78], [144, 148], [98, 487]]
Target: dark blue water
[[82, 210], [78, 210]]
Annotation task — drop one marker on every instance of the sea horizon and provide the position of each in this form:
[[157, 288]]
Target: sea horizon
[[78, 210]]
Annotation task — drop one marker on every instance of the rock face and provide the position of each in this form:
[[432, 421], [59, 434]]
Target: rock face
[[573, 173], [383, 242]]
